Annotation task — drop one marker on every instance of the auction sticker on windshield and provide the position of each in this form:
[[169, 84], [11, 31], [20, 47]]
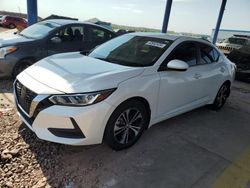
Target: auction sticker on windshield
[[156, 44]]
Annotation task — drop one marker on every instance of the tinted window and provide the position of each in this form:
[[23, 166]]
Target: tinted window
[[208, 54], [132, 50], [239, 41], [97, 34], [110, 35], [71, 33], [186, 52]]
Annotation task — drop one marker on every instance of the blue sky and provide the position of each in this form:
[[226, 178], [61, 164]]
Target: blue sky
[[196, 16]]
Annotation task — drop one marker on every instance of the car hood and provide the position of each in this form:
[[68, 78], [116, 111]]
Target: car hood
[[76, 73], [7, 39]]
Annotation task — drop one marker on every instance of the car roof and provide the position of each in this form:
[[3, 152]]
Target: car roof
[[155, 35], [68, 21], [166, 36], [170, 37], [236, 37], [9, 16]]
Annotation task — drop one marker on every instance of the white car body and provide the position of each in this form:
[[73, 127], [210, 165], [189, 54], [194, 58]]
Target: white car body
[[168, 93]]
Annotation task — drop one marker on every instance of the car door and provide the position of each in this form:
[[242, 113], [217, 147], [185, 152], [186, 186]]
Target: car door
[[211, 69], [67, 39], [180, 90]]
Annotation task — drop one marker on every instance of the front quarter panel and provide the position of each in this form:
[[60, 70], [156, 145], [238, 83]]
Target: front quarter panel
[[145, 86]]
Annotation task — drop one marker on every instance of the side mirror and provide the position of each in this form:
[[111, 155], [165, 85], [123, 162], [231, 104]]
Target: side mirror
[[56, 40], [177, 65]]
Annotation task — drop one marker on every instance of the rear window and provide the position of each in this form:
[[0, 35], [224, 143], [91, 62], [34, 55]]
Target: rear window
[[237, 41]]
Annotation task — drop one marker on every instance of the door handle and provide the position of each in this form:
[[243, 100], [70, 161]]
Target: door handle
[[197, 76]]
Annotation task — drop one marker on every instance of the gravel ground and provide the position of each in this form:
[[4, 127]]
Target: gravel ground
[[22, 153]]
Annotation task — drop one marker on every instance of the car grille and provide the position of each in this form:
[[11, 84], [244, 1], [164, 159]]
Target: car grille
[[24, 96], [226, 48]]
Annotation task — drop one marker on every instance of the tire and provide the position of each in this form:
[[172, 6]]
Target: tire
[[12, 26], [22, 65], [221, 97], [126, 125]]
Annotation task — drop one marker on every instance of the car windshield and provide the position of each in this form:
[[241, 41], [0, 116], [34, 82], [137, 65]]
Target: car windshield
[[132, 50], [39, 30]]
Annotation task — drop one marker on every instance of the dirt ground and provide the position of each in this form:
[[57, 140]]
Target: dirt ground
[[201, 148]]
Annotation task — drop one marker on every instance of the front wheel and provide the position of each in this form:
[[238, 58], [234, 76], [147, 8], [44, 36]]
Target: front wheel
[[12, 26], [126, 125], [221, 97], [21, 66]]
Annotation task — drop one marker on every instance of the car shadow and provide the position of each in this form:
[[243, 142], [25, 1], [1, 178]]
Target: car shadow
[[74, 166], [98, 165], [6, 85], [48, 155]]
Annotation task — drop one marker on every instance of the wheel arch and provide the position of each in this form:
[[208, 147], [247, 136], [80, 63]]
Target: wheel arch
[[144, 101], [30, 59], [228, 82]]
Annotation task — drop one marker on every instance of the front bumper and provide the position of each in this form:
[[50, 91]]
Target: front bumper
[[66, 124]]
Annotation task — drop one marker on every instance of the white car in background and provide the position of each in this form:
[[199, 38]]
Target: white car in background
[[121, 88]]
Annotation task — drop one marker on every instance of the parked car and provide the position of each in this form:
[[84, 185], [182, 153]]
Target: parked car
[[121, 88], [237, 49], [18, 51], [13, 22], [235, 42]]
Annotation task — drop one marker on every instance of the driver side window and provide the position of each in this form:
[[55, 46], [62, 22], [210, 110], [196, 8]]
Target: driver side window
[[71, 33], [186, 52]]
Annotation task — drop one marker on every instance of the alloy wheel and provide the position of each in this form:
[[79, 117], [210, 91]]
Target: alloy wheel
[[222, 96], [128, 125]]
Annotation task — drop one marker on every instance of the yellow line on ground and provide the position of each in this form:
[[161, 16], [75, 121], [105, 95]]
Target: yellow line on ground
[[237, 175]]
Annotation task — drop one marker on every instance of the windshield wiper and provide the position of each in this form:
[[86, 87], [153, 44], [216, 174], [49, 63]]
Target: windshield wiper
[[103, 59], [25, 36], [107, 60], [128, 64], [22, 35], [125, 63]]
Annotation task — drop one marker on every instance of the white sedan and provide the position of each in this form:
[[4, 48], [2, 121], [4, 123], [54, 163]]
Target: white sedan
[[121, 88]]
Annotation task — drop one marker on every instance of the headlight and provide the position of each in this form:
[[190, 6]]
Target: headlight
[[6, 50], [81, 99]]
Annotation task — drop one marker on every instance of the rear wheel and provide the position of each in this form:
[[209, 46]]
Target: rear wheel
[[21, 66], [12, 26], [221, 97], [126, 125]]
